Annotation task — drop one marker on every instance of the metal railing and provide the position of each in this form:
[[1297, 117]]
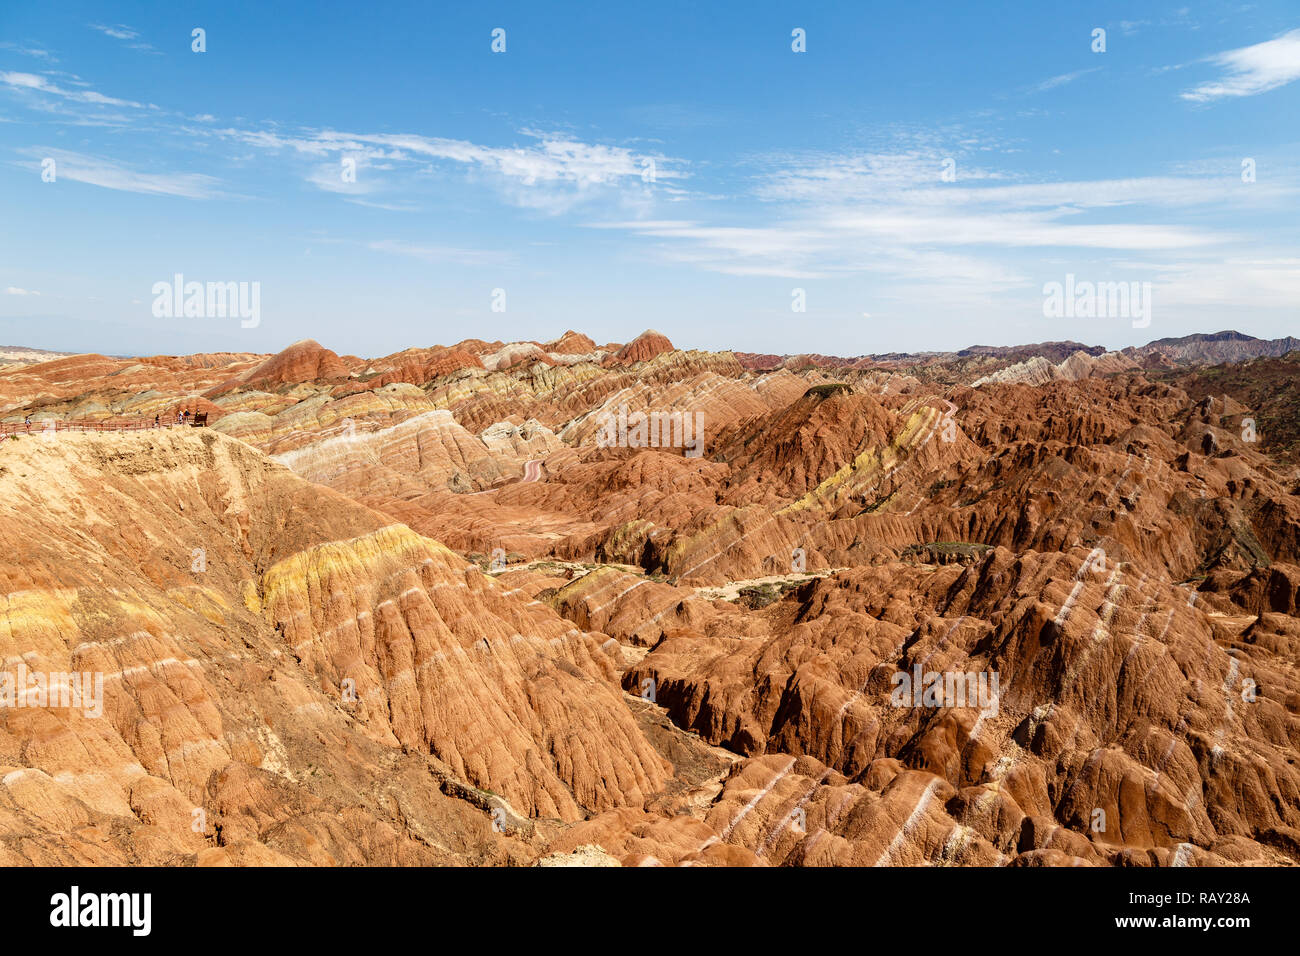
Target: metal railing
[[104, 425]]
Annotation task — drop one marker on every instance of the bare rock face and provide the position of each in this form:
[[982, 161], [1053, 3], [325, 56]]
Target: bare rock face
[[571, 343], [1047, 728], [792, 451], [271, 652], [417, 366], [1218, 347], [515, 353], [642, 348], [305, 361], [1031, 606], [1038, 370], [1035, 371]]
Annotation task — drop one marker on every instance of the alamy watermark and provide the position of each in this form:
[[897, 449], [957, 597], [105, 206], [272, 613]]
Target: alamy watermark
[[652, 430], [1098, 300], [80, 690], [946, 689], [75, 908], [208, 300]]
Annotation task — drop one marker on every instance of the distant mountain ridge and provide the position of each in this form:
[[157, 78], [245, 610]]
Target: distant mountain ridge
[[21, 354], [1216, 348], [1054, 351], [1201, 348]]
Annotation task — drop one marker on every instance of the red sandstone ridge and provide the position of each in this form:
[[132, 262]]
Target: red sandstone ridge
[[418, 366], [572, 343], [641, 349], [227, 678], [304, 361]]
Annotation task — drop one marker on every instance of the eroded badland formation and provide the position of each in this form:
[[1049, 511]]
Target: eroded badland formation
[[411, 610]]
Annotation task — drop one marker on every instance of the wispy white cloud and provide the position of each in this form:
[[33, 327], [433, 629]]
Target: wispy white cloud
[[916, 178], [440, 254], [14, 290], [32, 83], [29, 49], [552, 174], [399, 206], [125, 33], [1053, 82], [549, 172], [840, 178], [551, 159], [1250, 70], [97, 171], [1233, 282], [119, 32], [893, 216]]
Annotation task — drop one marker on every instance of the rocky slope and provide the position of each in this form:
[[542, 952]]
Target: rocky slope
[[570, 603], [1216, 348], [298, 668]]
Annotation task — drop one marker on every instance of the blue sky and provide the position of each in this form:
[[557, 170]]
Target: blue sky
[[631, 166]]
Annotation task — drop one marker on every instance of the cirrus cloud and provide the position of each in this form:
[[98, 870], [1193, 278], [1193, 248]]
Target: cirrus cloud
[[1252, 69]]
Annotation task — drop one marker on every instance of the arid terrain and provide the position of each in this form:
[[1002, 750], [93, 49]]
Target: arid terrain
[[452, 606]]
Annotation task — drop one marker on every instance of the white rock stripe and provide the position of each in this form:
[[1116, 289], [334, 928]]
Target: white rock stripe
[[717, 554], [744, 811], [906, 830]]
